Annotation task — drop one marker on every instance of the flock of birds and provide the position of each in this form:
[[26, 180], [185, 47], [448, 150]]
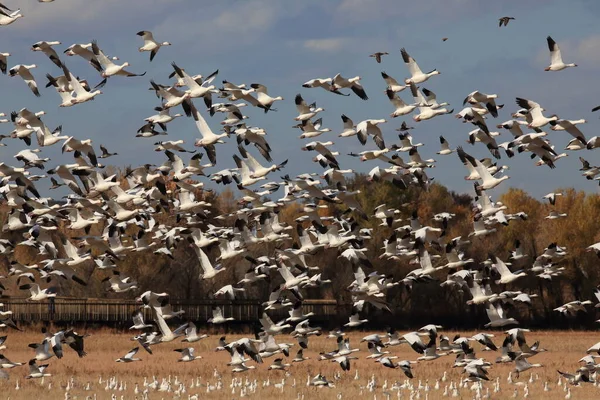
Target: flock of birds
[[100, 200]]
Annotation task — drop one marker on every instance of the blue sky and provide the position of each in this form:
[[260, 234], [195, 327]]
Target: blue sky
[[283, 44]]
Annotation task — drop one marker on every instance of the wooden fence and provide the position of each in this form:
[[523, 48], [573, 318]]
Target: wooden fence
[[92, 310]]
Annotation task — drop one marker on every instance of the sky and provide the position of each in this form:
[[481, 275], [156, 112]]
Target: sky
[[283, 44]]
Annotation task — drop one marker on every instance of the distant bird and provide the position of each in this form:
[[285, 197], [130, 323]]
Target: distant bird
[[504, 21], [556, 61], [444, 39], [378, 55], [150, 44], [105, 153]]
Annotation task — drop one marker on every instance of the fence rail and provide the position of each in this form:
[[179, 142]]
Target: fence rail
[[81, 310]]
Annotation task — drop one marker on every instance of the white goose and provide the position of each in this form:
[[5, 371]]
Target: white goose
[[195, 89], [392, 84], [24, 72], [535, 113], [305, 111], [417, 76], [46, 48], [7, 19], [208, 137], [445, 147], [150, 44], [370, 127], [506, 275], [339, 82], [208, 270], [110, 68], [556, 62], [263, 97], [81, 95], [401, 107], [217, 317], [425, 110]]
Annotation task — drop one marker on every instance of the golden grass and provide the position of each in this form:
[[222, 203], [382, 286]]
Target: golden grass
[[565, 349]]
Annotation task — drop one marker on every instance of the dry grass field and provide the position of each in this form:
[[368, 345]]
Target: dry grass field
[[91, 374]]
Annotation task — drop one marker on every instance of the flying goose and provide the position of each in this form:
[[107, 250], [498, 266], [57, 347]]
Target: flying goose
[[3, 62], [217, 317], [339, 82], [377, 56], [108, 67], [81, 95], [7, 19], [187, 354], [150, 44], [370, 127], [305, 111], [325, 83], [36, 371], [46, 48], [38, 294], [446, 150], [194, 88], [24, 71], [556, 62], [392, 84], [504, 21], [401, 107], [129, 357], [417, 76], [425, 110], [263, 97]]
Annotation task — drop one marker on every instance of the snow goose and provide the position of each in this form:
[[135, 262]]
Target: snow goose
[[106, 153], [324, 83], [46, 48], [497, 318], [479, 228], [138, 320], [488, 181], [129, 357], [417, 76], [187, 354], [203, 89], [556, 62], [150, 44], [24, 72], [36, 371], [208, 270], [571, 308], [339, 82], [506, 275], [300, 356], [446, 150], [83, 50], [392, 83], [217, 317], [7, 19], [504, 21], [312, 129], [305, 111], [355, 320], [120, 285], [551, 197], [430, 352], [569, 126], [377, 55], [401, 107], [191, 334], [425, 110], [431, 99], [162, 118], [110, 68], [263, 97], [38, 294], [406, 143], [521, 363], [370, 127], [3, 62], [488, 99], [208, 137], [555, 215], [81, 95]]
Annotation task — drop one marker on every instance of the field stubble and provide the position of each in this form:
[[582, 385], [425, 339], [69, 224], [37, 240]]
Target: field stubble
[[104, 347]]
